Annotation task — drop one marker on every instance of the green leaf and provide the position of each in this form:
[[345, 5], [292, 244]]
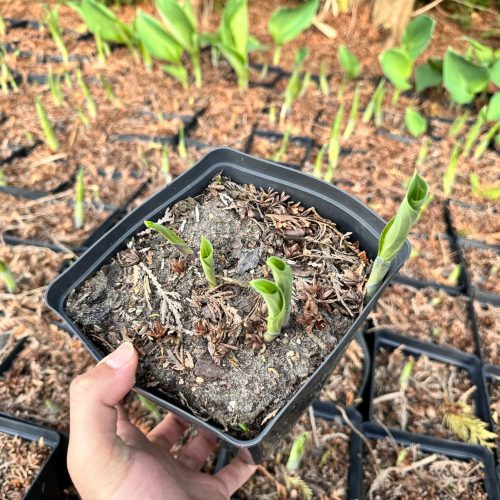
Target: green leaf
[[207, 261], [495, 73], [426, 76], [417, 35], [462, 78], [79, 207], [415, 122], [482, 53], [297, 452], [282, 275], [286, 24], [234, 27], [156, 40], [397, 67], [490, 193], [7, 277], [178, 72], [171, 237], [451, 170], [179, 24], [48, 131], [349, 62], [273, 297]]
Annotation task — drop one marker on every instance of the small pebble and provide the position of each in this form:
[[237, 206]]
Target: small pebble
[[200, 380]]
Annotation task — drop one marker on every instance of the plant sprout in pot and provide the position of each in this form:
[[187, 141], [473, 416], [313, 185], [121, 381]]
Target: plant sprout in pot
[[240, 295]]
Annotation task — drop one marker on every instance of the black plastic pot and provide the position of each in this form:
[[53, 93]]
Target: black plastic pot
[[52, 477], [390, 341], [274, 71], [429, 444], [349, 214], [12, 354], [326, 411], [454, 291]]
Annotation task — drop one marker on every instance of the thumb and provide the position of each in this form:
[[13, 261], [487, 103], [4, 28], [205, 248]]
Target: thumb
[[93, 397]]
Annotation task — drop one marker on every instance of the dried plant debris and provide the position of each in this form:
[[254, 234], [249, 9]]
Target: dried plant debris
[[488, 322], [20, 462], [484, 268], [418, 394], [344, 383], [494, 393], [393, 472], [202, 346], [426, 314], [323, 469], [7, 343], [476, 224]]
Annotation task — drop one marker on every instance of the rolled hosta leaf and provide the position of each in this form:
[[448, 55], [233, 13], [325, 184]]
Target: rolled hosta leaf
[[462, 78], [156, 40], [273, 297], [297, 452], [397, 67], [286, 24], [48, 131], [429, 74], [207, 261], [349, 62], [79, 207], [415, 122], [396, 231], [171, 237], [7, 277], [282, 275], [417, 35]]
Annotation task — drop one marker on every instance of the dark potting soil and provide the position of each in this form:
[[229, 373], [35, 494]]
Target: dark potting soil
[[488, 323], [6, 345], [202, 346]]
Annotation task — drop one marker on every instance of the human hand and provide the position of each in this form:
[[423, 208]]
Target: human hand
[[109, 458]]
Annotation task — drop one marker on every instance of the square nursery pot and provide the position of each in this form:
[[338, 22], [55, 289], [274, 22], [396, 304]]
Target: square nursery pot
[[52, 477], [349, 214]]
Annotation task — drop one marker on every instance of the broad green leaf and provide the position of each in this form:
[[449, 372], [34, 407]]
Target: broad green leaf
[[463, 79], [234, 32], [397, 67], [178, 72], [482, 53], [286, 24], [417, 35], [495, 73], [179, 24], [156, 40], [236, 61], [349, 62], [493, 112], [415, 122], [426, 76]]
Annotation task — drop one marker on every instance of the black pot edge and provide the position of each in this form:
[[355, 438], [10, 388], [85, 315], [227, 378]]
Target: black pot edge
[[430, 444], [201, 174], [9, 239], [454, 291]]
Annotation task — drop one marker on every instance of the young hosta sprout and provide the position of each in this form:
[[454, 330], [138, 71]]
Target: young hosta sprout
[[319, 162], [207, 261], [283, 147], [297, 452], [396, 231], [485, 141], [334, 144], [474, 132], [3, 182], [415, 122], [89, 99], [458, 124], [295, 83], [353, 114], [171, 237], [181, 146], [349, 62], [490, 193], [52, 20], [282, 275], [54, 82], [323, 79], [451, 170], [79, 207], [7, 277], [276, 309], [48, 131], [370, 108]]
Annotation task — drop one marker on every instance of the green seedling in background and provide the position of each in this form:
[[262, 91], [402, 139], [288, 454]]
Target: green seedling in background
[[46, 125], [458, 124], [79, 205], [297, 452], [396, 231], [323, 79], [286, 24], [485, 141], [294, 85], [108, 91], [3, 28], [490, 193], [451, 170], [349, 63], [171, 237], [89, 99], [334, 144], [306, 83], [181, 146], [405, 376], [319, 162], [165, 163], [151, 407], [83, 118], [272, 114], [493, 112], [52, 20], [54, 82], [3, 181], [353, 114], [370, 108], [455, 274], [474, 132], [207, 261], [422, 154], [7, 277], [379, 107], [415, 122], [283, 147]]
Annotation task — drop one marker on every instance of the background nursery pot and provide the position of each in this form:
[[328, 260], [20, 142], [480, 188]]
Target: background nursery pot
[[349, 214]]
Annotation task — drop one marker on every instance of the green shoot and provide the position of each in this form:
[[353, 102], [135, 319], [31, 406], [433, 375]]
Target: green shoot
[[415, 122], [3, 28], [79, 206], [207, 261], [243, 427], [283, 147], [272, 114], [7, 277], [89, 99], [323, 79], [458, 124], [490, 193], [306, 83], [319, 162], [171, 237], [294, 85], [48, 131], [405, 376], [396, 231], [7, 80], [282, 275], [181, 146], [52, 20], [83, 118], [370, 108], [297, 452], [455, 274], [485, 141], [474, 132], [108, 91], [349, 63], [379, 103], [353, 114], [165, 163], [103, 49], [150, 406], [451, 170], [422, 153], [54, 82], [334, 144], [3, 181], [273, 297]]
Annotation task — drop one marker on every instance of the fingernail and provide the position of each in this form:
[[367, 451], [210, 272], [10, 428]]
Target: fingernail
[[120, 357]]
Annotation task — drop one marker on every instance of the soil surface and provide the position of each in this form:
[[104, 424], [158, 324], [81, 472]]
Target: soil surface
[[203, 347], [488, 322], [494, 393], [21, 460], [484, 268], [392, 472]]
